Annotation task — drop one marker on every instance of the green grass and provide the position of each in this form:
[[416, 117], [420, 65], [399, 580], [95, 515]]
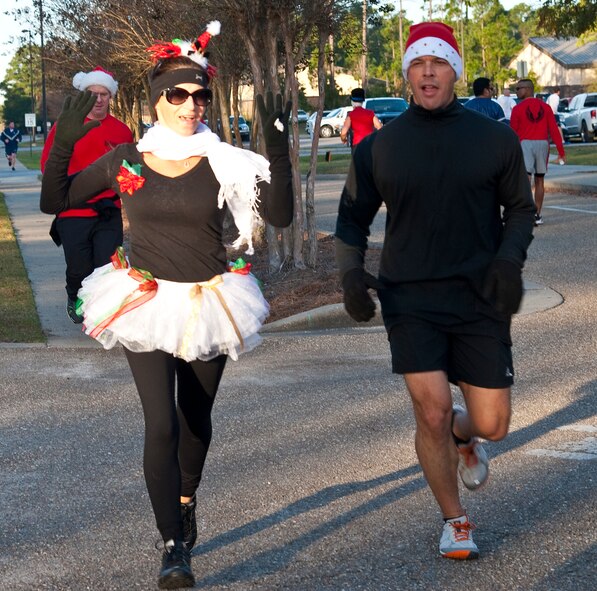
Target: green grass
[[580, 155], [19, 322], [30, 161], [338, 164]]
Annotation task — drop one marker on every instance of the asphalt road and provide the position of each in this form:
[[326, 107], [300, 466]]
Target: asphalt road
[[312, 483]]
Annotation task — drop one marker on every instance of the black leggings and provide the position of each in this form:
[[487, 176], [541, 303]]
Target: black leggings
[[177, 428]]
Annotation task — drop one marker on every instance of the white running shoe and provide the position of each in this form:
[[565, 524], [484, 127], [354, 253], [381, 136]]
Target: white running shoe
[[473, 464], [457, 540]]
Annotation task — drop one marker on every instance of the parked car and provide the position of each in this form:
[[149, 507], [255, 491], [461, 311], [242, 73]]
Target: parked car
[[302, 116], [386, 108], [311, 121], [243, 127], [564, 104], [580, 118], [331, 122]]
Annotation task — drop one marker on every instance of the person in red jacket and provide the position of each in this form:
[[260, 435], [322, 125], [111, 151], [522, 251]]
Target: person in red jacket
[[89, 235], [534, 122], [361, 122]]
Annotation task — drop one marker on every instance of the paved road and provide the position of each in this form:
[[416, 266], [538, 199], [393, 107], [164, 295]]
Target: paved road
[[312, 483]]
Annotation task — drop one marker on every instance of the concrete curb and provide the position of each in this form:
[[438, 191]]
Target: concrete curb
[[537, 298]]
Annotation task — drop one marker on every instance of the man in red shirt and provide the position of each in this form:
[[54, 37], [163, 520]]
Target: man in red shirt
[[90, 235], [534, 122], [360, 121]]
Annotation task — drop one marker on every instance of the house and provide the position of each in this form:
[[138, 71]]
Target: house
[[558, 62]]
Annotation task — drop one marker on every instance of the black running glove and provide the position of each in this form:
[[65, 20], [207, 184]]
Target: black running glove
[[71, 126], [274, 123], [357, 300], [503, 286]]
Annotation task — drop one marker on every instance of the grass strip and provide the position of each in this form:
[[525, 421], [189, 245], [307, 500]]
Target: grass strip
[[337, 164], [29, 161], [579, 155], [19, 322]]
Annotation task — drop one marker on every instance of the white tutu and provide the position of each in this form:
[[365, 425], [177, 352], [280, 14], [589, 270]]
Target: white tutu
[[189, 320]]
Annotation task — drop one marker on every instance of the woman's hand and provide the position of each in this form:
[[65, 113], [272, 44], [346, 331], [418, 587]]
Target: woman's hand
[[71, 126], [274, 122]]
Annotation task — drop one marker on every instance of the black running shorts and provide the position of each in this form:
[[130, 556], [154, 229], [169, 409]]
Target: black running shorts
[[477, 353]]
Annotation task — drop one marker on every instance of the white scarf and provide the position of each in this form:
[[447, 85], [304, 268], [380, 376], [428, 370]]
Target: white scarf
[[238, 171]]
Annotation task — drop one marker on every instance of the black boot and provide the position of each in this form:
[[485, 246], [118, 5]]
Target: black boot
[[189, 522], [176, 566]]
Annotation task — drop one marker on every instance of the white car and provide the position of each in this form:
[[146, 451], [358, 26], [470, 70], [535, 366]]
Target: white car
[[311, 121], [332, 123]]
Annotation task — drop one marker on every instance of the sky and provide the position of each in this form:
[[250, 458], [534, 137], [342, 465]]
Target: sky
[[9, 28]]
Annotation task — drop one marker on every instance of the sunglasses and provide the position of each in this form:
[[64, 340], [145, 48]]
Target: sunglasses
[[178, 96]]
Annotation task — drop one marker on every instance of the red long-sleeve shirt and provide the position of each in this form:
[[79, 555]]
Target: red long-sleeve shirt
[[532, 119], [110, 133]]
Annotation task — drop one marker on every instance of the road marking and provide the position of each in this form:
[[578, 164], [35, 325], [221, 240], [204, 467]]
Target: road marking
[[570, 209], [563, 455], [576, 450], [581, 428]]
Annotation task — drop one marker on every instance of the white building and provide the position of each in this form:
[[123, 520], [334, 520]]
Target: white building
[[558, 62]]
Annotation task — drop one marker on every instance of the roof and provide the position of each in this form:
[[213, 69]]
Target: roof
[[567, 52]]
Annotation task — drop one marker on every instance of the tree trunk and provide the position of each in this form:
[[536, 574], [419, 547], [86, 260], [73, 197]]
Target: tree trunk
[[310, 185], [297, 236]]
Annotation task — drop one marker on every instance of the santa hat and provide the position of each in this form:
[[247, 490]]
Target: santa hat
[[99, 77], [435, 39]]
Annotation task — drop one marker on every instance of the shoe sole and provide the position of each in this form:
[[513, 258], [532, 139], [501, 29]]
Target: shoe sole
[[176, 579], [457, 408], [474, 485], [461, 555]]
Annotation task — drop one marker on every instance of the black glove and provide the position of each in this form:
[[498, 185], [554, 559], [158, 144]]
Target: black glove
[[70, 126], [357, 300], [272, 119], [503, 286]]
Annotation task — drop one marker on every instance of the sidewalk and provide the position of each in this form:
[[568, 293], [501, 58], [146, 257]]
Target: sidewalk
[[45, 262]]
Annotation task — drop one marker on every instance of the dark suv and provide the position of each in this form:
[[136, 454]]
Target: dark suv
[[386, 108]]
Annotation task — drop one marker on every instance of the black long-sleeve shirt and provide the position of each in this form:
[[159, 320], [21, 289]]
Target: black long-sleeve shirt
[[444, 177], [174, 223]]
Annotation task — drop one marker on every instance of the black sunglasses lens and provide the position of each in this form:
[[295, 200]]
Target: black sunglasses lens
[[178, 96], [202, 97]]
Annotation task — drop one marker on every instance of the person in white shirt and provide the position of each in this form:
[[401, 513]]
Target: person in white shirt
[[553, 100], [507, 102]]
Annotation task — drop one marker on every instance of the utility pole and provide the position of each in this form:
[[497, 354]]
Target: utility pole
[[32, 133], [401, 40], [364, 47], [44, 110], [463, 18]]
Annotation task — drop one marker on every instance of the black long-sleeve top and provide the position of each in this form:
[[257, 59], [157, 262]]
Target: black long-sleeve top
[[175, 224], [443, 176]]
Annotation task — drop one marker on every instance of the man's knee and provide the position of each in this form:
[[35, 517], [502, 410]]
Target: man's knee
[[493, 427]]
